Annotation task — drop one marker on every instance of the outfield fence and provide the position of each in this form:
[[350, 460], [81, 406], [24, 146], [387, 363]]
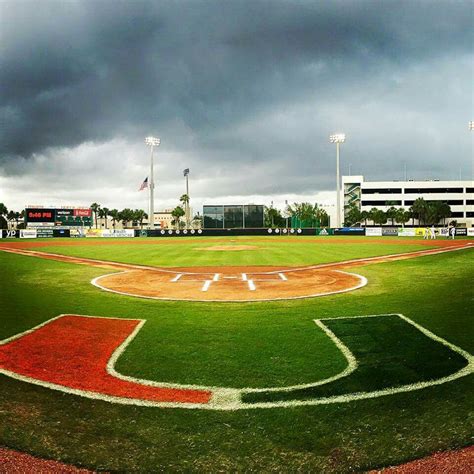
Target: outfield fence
[[34, 233]]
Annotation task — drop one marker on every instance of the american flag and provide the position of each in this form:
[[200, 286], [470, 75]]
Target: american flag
[[186, 172], [144, 184]]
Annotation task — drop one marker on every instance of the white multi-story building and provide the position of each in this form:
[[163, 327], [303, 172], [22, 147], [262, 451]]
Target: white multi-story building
[[385, 194]]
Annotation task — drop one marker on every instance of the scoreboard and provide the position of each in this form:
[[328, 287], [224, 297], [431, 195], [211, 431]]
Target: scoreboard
[[72, 217]]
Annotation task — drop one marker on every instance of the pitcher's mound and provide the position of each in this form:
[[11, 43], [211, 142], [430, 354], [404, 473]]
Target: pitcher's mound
[[230, 283]]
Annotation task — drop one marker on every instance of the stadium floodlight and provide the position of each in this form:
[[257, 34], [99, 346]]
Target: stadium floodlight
[[471, 125], [152, 142], [338, 138]]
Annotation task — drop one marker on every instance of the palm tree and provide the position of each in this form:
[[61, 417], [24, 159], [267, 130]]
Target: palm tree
[[114, 214], [444, 211], [184, 199], [95, 209], [419, 209], [364, 215], [379, 217], [126, 215], [139, 215], [177, 213], [402, 216], [392, 214], [103, 213]]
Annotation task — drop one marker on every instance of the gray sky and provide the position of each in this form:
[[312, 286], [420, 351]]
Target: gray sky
[[244, 93]]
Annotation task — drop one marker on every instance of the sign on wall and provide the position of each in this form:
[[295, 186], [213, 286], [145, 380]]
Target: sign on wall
[[373, 231], [28, 234], [406, 232]]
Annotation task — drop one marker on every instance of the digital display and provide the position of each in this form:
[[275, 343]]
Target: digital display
[[40, 215], [65, 217]]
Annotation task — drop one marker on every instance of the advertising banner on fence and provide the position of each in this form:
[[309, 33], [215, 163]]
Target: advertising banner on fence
[[462, 231], [406, 232], [44, 233], [10, 234], [349, 231], [390, 231], [420, 231], [118, 233], [470, 232], [324, 231], [93, 232], [77, 233], [373, 231], [28, 234]]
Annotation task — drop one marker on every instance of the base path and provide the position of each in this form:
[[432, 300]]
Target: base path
[[231, 284]]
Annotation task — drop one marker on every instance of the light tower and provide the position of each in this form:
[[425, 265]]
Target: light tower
[[152, 142], [338, 138]]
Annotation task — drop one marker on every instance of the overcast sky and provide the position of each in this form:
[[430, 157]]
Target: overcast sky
[[244, 93]]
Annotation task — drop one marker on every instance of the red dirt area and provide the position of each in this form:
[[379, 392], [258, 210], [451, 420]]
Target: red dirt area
[[14, 462], [72, 352], [229, 284], [448, 462]]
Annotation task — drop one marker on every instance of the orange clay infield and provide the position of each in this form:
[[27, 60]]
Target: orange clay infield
[[230, 283]]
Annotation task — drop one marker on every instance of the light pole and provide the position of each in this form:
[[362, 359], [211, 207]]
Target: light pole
[[188, 219], [152, 142], [338, 138]]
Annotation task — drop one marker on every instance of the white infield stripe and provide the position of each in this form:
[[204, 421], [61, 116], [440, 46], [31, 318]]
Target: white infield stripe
[[215, 277], [244, 277], [206, 285], [251, 285], [282, 276], [177, 277], [230, 398]]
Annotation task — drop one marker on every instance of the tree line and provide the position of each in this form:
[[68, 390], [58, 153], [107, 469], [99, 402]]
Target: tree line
[[425, 212], [9, 216], [305, 213], [125, 215]]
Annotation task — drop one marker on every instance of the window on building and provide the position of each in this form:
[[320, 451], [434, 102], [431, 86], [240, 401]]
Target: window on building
[[381, 191], [213, 217], [432, 190], [381, 203]]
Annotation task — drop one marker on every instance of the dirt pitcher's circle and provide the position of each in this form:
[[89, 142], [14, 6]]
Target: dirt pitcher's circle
[[230, 284]]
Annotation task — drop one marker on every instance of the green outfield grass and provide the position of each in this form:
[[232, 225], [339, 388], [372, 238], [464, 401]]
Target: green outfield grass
[[251, 345], [191, 251]]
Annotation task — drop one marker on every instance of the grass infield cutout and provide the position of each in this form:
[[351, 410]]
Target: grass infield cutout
[[386, 354]]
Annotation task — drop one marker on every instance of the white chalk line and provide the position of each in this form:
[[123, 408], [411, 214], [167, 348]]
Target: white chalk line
[[229, 399], [206, 285]]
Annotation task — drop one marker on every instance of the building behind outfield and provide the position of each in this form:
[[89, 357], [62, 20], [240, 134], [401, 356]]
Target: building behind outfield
[[248, 216], [385, 194]]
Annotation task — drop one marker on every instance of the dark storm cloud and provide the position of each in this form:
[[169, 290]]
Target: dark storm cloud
[[229, 81]]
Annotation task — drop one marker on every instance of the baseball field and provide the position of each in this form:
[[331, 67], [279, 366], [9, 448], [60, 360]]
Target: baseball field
[[295, 353]]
